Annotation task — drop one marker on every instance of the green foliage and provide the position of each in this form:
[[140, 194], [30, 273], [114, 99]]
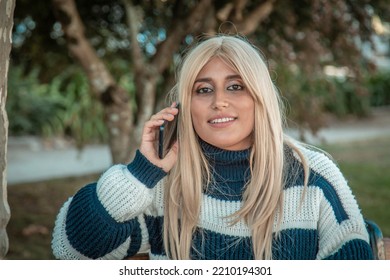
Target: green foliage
[[82, 118], [28, 105], [379, 86], [311, 97], [348, 99], [63, 107]]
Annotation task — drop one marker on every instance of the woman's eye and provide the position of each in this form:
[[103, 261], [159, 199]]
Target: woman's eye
[[204, 90], [235, 87]]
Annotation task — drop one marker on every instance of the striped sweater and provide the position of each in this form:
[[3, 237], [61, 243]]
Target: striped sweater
[[122, 213]]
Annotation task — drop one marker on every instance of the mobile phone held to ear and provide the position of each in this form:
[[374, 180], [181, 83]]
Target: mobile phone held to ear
[[167, 135], [161, 140]]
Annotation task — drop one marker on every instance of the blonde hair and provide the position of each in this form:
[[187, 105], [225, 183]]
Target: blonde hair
[[262, 198]]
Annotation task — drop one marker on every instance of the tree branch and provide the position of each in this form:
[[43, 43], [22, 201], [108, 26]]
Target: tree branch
[[133, 20], [239, 8], [180, 28], [80, 48], [248, 24], [252, 21]]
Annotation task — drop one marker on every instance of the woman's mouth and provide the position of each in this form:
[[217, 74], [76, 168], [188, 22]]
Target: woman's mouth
[[221, 120]]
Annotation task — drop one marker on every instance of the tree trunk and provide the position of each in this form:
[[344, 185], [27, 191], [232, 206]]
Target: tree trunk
[[115, 100], [6, 22]]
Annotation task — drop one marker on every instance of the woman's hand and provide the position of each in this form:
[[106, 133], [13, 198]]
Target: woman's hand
[[150, 137]]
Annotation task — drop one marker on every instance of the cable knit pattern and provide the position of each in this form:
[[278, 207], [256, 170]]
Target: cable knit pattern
[[122, 214]]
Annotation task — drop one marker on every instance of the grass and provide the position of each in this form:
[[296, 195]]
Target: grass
[[365, 164], [34, 206]]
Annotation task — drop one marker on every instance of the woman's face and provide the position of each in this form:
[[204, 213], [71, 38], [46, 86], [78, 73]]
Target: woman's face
[[222, 109]]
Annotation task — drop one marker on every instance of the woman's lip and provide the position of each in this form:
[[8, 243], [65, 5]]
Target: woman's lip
[[220, 119], [221, 122]]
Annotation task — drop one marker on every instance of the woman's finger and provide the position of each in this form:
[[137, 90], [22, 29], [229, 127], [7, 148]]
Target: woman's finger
[[150, 137]]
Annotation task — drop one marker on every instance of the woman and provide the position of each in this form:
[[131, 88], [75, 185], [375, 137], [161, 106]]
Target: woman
[[233, 185]]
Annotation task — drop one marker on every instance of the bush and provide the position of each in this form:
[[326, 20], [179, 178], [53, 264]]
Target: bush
[[348, 98], [309, 98], [379, 86], [63, 107], [28, 106]]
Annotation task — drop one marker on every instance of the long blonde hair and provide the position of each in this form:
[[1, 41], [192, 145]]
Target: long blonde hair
[[262, 198]]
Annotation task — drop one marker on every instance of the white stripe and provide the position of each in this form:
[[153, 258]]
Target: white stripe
[[213, 217], [157, 257], [144, 233], [298, 213], [122, 195]]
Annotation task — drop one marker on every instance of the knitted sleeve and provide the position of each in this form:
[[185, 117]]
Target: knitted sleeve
[[105, 220], [341, 228]]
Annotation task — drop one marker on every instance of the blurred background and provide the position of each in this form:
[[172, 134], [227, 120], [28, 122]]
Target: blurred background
[[85, 75]]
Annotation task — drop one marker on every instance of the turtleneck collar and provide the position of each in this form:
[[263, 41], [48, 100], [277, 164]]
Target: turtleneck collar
[[230, 171], [224, 157]]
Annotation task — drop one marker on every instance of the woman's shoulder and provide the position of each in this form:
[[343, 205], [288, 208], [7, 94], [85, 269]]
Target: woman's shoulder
[[322, 169], [326, 178], [315, 158]]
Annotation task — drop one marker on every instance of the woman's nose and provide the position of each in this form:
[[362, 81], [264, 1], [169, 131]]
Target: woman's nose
[[220, 100]]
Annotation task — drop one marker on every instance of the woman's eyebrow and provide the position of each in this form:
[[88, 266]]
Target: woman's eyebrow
[[229, 77], [200, 80], [233, 77]]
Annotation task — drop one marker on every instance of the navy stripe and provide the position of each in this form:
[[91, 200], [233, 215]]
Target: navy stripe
[[291, 244], [229, 172], [296, 244], [90, 227], [355, 249], [145, 171], [209, 245], [155, 229], [135, 239]]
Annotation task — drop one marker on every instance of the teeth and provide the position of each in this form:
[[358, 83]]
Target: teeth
[[222, 120]]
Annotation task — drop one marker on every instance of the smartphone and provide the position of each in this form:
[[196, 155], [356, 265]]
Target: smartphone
[[167, 135]]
